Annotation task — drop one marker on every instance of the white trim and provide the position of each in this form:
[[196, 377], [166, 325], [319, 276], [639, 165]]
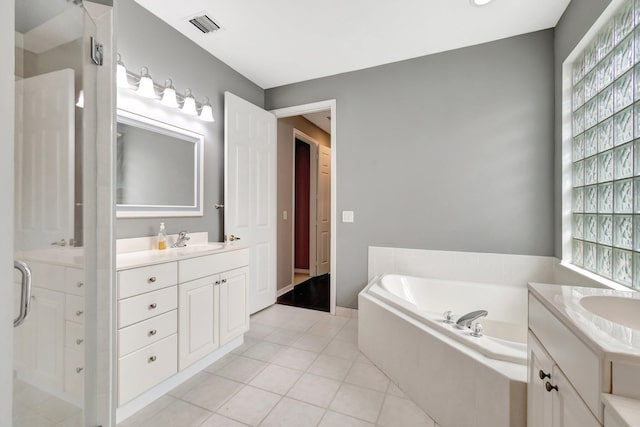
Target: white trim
[[313, 108], [285, 290], [595, 277], [302, 271], [566, 193], [133, 406]]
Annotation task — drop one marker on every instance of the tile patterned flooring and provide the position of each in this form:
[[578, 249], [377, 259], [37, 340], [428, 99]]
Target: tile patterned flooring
[[33, 407], [298, 368]]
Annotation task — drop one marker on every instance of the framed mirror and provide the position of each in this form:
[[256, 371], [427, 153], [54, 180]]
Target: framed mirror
[[158, 169]]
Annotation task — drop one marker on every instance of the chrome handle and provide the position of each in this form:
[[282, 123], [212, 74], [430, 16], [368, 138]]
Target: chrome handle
[[224, 280], [153, 332], [476, 331], [78, 370], [542, 375], [218, 206], [79, 341], [25, 294], [217, 282], [233, 238], [550, 387], [152, 279], [153, 306], [60, 243], [79, 313], [448, 316], [79, 284], [152, 359]]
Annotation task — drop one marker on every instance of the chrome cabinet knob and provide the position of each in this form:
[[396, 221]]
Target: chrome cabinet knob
[[550, 387], [152, 279], [78, 370], [152, 359], [543, 375], [153, 306], [79, 341], [153, 332], [79, 284], [224, 280], [217, 282], [79, 313]]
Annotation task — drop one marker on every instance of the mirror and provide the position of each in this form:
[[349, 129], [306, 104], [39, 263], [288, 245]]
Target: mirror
[[159, 169]]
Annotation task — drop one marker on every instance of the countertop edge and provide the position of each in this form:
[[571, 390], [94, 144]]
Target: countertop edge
[[625, 409], [174, 258]]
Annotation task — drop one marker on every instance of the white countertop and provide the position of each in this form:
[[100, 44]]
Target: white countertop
[[626, 411], [615, 340], [154, 256], [65, 256]]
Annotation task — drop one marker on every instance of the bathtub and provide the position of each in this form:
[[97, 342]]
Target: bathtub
[[458, 379]]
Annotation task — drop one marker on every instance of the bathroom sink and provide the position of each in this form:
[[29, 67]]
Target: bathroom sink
[[621, 310], [191, 249]]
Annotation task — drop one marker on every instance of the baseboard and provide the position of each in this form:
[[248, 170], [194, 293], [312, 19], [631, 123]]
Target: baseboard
[[351, 313], [284, 290], [301, 270]]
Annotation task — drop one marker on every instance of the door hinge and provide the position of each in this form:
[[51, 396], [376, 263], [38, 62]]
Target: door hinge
[[97, 52]]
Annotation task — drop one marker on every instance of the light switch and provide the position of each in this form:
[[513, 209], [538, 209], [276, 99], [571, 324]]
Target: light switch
[[284, 215], [347, 216]]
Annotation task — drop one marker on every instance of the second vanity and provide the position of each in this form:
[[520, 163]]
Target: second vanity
[[178, 311]]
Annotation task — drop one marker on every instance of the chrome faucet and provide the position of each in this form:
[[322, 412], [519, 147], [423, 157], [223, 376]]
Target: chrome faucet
[[181, 241], [464, 322]]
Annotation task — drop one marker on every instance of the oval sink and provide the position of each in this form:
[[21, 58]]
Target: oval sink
[[624, 311], [198, 248]]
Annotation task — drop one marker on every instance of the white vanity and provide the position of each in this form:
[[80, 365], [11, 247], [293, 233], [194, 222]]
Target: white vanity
[[584, 356], [178, 310]]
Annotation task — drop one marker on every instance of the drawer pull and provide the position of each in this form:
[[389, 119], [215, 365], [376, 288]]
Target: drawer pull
[[79, 341], [542, 375], [224, 280], [78, 370], [550, 387], [79, 284], [153, 332], [152, 359], [217, 282], [79, 313], [152, 279], [153, 306]]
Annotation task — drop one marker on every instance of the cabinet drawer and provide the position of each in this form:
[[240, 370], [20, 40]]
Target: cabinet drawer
[[141, 334], [580, 365], [74, 336], [74, 372], [74, 308], [74, 281], [145, 279], [208, 265], [135, 309], [47, 276], [146, 367]]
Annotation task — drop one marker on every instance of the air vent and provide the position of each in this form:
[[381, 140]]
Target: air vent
[[205, 24]]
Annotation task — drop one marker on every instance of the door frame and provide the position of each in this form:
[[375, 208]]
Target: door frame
[[313, 204], [315, 107]]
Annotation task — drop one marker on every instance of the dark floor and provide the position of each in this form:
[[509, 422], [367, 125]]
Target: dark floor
[[313, 294]]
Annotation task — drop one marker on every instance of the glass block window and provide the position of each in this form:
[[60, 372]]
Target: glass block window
[[606, 151]]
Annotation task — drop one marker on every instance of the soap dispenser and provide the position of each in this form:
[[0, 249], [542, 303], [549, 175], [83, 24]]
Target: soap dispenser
[[162, 237]]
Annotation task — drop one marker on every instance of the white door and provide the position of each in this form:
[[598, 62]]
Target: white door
[[44, 159], [250, 192], [323, 240]]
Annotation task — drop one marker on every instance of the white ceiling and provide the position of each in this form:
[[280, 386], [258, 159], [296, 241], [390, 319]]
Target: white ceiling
[[322, 119], [278, 42]]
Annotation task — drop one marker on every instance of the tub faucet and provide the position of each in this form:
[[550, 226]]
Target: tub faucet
[[181, 241], [466, 320]]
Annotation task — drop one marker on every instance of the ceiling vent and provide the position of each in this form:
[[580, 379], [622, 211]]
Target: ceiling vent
[[204, 24]]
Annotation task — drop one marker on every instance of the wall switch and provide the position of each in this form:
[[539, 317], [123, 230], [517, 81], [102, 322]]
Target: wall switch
[[347, 216], [284, 215]]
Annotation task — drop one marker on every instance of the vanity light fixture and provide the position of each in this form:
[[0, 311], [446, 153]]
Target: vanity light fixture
[[206, 113], [169, 97], [145, 86], [480, 2], [189, 104], [166, 94], [121, 74]]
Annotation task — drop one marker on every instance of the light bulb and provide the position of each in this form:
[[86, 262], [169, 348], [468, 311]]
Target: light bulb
[[169, 95], [189, 105], [145, 86], [206, 113], [121, 74]]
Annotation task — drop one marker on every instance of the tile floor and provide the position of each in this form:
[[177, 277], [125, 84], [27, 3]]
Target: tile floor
[[298, 368], [33, 407]]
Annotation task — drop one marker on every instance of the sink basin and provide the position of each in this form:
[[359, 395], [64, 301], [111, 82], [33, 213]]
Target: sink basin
[[198, 248], [624, 311]]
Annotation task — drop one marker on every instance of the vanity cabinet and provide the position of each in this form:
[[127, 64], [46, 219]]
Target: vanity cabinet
[[234, 306], [49, 345]]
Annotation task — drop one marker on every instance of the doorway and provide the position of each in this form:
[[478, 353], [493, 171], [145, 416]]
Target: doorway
[[304, 199]]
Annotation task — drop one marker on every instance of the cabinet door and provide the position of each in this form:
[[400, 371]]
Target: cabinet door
[[234, 304], [47, 333], [198, 325], [569, 410], [539, 400]]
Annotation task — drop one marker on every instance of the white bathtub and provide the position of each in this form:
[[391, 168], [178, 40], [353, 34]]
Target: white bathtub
[[458, 379]]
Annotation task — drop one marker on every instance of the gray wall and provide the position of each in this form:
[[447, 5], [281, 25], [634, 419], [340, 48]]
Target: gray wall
[[452, 151], [145, 40], [574, 23]]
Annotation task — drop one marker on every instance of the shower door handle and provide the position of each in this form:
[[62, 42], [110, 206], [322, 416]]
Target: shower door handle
[[25, 292]]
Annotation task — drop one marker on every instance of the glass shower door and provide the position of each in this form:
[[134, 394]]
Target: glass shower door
[[52, 66]]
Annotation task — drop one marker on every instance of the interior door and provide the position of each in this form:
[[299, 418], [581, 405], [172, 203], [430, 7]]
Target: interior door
[[250, 192], [323, 240], [44, 156]]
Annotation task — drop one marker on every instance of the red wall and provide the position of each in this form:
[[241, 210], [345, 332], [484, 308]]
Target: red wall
[[302, 190]]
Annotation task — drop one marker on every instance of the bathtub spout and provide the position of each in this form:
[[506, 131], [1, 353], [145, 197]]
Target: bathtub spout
[[466, 320]]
